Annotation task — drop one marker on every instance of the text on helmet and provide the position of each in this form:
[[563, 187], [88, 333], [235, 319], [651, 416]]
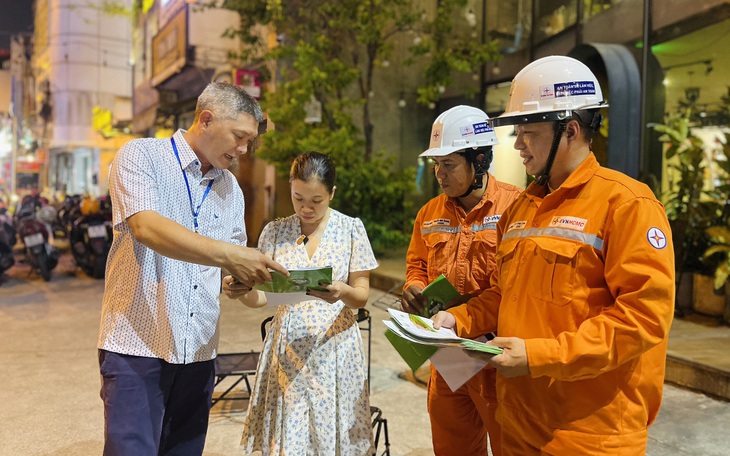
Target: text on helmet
[[567, 89]]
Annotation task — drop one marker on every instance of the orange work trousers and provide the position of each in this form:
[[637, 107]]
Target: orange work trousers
[[461, 420]]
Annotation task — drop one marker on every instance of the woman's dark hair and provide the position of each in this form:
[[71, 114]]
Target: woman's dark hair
[[314, 165]]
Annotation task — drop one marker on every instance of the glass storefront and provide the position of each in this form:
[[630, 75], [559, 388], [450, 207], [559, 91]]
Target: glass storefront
[[511, 21], [696, 77]]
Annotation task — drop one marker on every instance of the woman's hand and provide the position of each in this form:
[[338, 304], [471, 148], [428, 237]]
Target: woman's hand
[[233, 288], [335, 292]]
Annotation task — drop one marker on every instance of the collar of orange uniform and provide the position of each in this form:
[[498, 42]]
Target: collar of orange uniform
[[453, 205], [578, 177]]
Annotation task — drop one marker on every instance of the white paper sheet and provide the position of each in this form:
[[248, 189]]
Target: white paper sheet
[[284, 299], [404, 320], [455, 366]]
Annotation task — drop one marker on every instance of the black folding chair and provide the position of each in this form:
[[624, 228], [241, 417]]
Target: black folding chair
[[239, 366], [380, 423]]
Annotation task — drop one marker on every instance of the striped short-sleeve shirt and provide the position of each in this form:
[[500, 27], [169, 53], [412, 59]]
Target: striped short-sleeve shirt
[[153, 305]]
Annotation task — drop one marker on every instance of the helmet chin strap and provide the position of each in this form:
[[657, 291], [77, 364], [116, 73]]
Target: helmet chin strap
[[478, 180], [544, 177]]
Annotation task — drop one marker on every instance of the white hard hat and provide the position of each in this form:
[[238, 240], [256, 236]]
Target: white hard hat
[[550, 89], [461, 127]]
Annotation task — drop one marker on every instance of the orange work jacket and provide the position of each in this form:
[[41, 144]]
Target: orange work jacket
[[446, 240], [585, 275]]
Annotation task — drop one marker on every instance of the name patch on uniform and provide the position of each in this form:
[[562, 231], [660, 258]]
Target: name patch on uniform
[[517, 226], [492, 219], [656, 238], [573, 223], [437, 222]]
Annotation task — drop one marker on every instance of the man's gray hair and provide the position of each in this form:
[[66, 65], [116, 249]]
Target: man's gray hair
[[227, 100]]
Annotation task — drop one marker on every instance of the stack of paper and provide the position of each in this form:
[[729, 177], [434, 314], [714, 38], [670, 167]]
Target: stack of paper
[[419, 330], [416, 341]]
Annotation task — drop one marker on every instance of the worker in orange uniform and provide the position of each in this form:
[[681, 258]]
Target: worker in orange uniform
[[455, 234], [582, 298]]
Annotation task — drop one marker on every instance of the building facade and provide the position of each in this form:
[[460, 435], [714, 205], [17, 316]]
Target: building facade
[[83, 92], [652, 57], [178, 48]]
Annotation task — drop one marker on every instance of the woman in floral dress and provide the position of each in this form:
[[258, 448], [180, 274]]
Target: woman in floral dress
[[310, 396]]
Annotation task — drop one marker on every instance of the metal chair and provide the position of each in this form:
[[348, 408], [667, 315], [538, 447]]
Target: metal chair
[[364, 321], [239, 366]]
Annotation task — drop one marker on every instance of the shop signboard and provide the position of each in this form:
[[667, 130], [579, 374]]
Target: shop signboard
[[169, 48], [168, 9]]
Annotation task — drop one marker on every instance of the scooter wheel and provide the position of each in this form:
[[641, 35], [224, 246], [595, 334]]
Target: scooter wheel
[[43, 266]]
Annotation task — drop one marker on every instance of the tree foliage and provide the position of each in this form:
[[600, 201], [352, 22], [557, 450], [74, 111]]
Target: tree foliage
[[328, 52]]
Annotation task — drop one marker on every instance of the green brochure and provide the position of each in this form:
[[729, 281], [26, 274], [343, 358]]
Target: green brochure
[[419, 330], [438, 294], [299, 280], [412, 353]]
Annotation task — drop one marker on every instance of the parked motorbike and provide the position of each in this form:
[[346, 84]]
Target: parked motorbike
[[8, 238], [33, 229], [91, 237], [68, 211]]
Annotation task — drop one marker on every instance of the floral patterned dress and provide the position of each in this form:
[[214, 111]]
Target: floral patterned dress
[[310, 396]]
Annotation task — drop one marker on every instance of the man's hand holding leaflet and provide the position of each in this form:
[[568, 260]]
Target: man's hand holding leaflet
[[440, 295]]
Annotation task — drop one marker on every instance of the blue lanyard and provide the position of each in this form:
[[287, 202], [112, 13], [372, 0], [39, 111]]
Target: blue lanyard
[[196, 211]]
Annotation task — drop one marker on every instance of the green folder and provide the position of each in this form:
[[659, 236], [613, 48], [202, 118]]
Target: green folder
[[438, 294], [413, 354]]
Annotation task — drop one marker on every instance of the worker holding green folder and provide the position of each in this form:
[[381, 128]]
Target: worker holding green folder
[[454, 235], [583, 293]]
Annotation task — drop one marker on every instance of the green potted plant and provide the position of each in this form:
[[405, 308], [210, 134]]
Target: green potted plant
[[689, 206], [718, 253], [719, 250]]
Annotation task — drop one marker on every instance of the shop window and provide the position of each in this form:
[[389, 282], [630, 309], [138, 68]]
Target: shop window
[[554, 16], [510, 22], [695, 71], [594, 7], [496, 98]]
